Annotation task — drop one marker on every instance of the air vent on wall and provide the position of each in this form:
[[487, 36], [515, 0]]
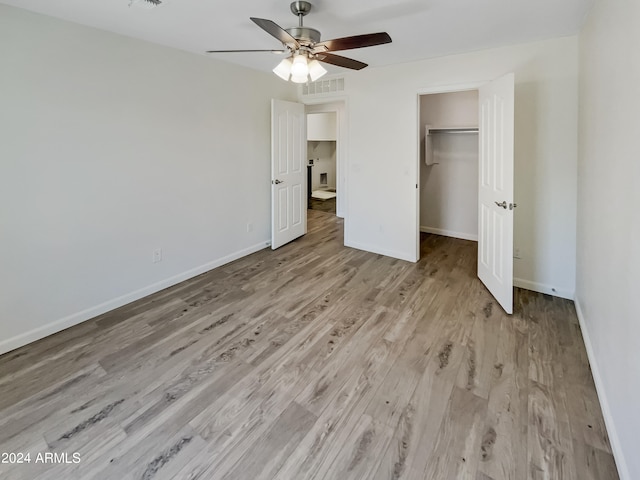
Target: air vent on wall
[[329, 85]]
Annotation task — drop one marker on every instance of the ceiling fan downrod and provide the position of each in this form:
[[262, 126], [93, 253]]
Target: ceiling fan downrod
[[300, 9], [305, 35]]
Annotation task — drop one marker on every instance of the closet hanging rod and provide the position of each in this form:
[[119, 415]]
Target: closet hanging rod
[[453, 130]]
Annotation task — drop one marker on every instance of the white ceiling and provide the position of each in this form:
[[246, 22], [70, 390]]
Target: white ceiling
[[419, 28]]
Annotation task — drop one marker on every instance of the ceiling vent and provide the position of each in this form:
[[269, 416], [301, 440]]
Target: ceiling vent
[[329, 85]]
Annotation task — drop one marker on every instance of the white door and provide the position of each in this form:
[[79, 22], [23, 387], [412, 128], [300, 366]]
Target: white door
[[288, 172], [495, 202]]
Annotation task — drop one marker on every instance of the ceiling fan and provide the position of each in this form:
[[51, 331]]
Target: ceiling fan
[[306, 50]]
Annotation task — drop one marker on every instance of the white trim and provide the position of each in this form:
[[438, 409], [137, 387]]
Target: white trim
[[449, 233], [79, 317], [461, 87], [543, 288], [614, 439], [418, 168], [380, 251]]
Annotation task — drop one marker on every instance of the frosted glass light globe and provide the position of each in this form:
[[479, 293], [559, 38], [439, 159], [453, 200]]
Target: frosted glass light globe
[[299, 68], [283, 70], [316, 70]]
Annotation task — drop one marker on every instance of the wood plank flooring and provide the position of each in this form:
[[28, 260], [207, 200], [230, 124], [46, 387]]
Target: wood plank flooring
[[314, 361], [328, 206]]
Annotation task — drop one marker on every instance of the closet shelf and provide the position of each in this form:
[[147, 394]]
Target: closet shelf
[[434, 131]]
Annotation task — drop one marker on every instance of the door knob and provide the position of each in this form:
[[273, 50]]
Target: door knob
[[512, 206], [276, 181], [502, 204]]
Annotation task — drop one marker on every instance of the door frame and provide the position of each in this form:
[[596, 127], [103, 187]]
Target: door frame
[[327, 105], [465, 87]]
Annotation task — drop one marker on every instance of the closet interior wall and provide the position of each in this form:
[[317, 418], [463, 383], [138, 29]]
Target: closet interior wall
[[449, 187]]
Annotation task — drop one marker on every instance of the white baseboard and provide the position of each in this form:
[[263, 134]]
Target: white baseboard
[[449, 233], [543, 288], [79, 317], [380, 251], [614, 439]]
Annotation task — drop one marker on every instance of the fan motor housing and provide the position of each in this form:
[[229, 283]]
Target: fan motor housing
[[304, 34]]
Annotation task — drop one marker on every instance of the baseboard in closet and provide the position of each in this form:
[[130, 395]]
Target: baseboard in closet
[[450, 233]]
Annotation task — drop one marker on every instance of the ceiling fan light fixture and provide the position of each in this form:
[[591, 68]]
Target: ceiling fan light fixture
[[299, 67], [316, 70], [283, 69], [302, 44], [299, 78]]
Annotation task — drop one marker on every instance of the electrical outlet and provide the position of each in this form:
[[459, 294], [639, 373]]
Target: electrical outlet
[[249, 227], [517, 253], [157, 255]]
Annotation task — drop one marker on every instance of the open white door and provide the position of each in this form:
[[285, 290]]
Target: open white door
[[288, 172], [495, 202]]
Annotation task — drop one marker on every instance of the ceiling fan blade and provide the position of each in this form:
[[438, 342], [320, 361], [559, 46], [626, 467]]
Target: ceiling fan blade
[[242, 51], [340, 61], [357, 41], [272, 28]]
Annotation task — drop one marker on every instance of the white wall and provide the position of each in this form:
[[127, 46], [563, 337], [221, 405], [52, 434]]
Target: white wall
[[608, 275], [112, 147], [383, 153], [449, 187], [322, 126], [454, 109]]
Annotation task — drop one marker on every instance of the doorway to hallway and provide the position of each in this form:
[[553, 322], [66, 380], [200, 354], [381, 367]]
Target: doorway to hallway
[[325, 167]]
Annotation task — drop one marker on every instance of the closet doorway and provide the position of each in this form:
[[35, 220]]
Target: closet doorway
[[325, 147], [466, 172], [449, 170]]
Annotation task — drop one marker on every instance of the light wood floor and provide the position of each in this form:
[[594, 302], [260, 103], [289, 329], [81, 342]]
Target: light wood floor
[[313, 361], [328, 206]]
